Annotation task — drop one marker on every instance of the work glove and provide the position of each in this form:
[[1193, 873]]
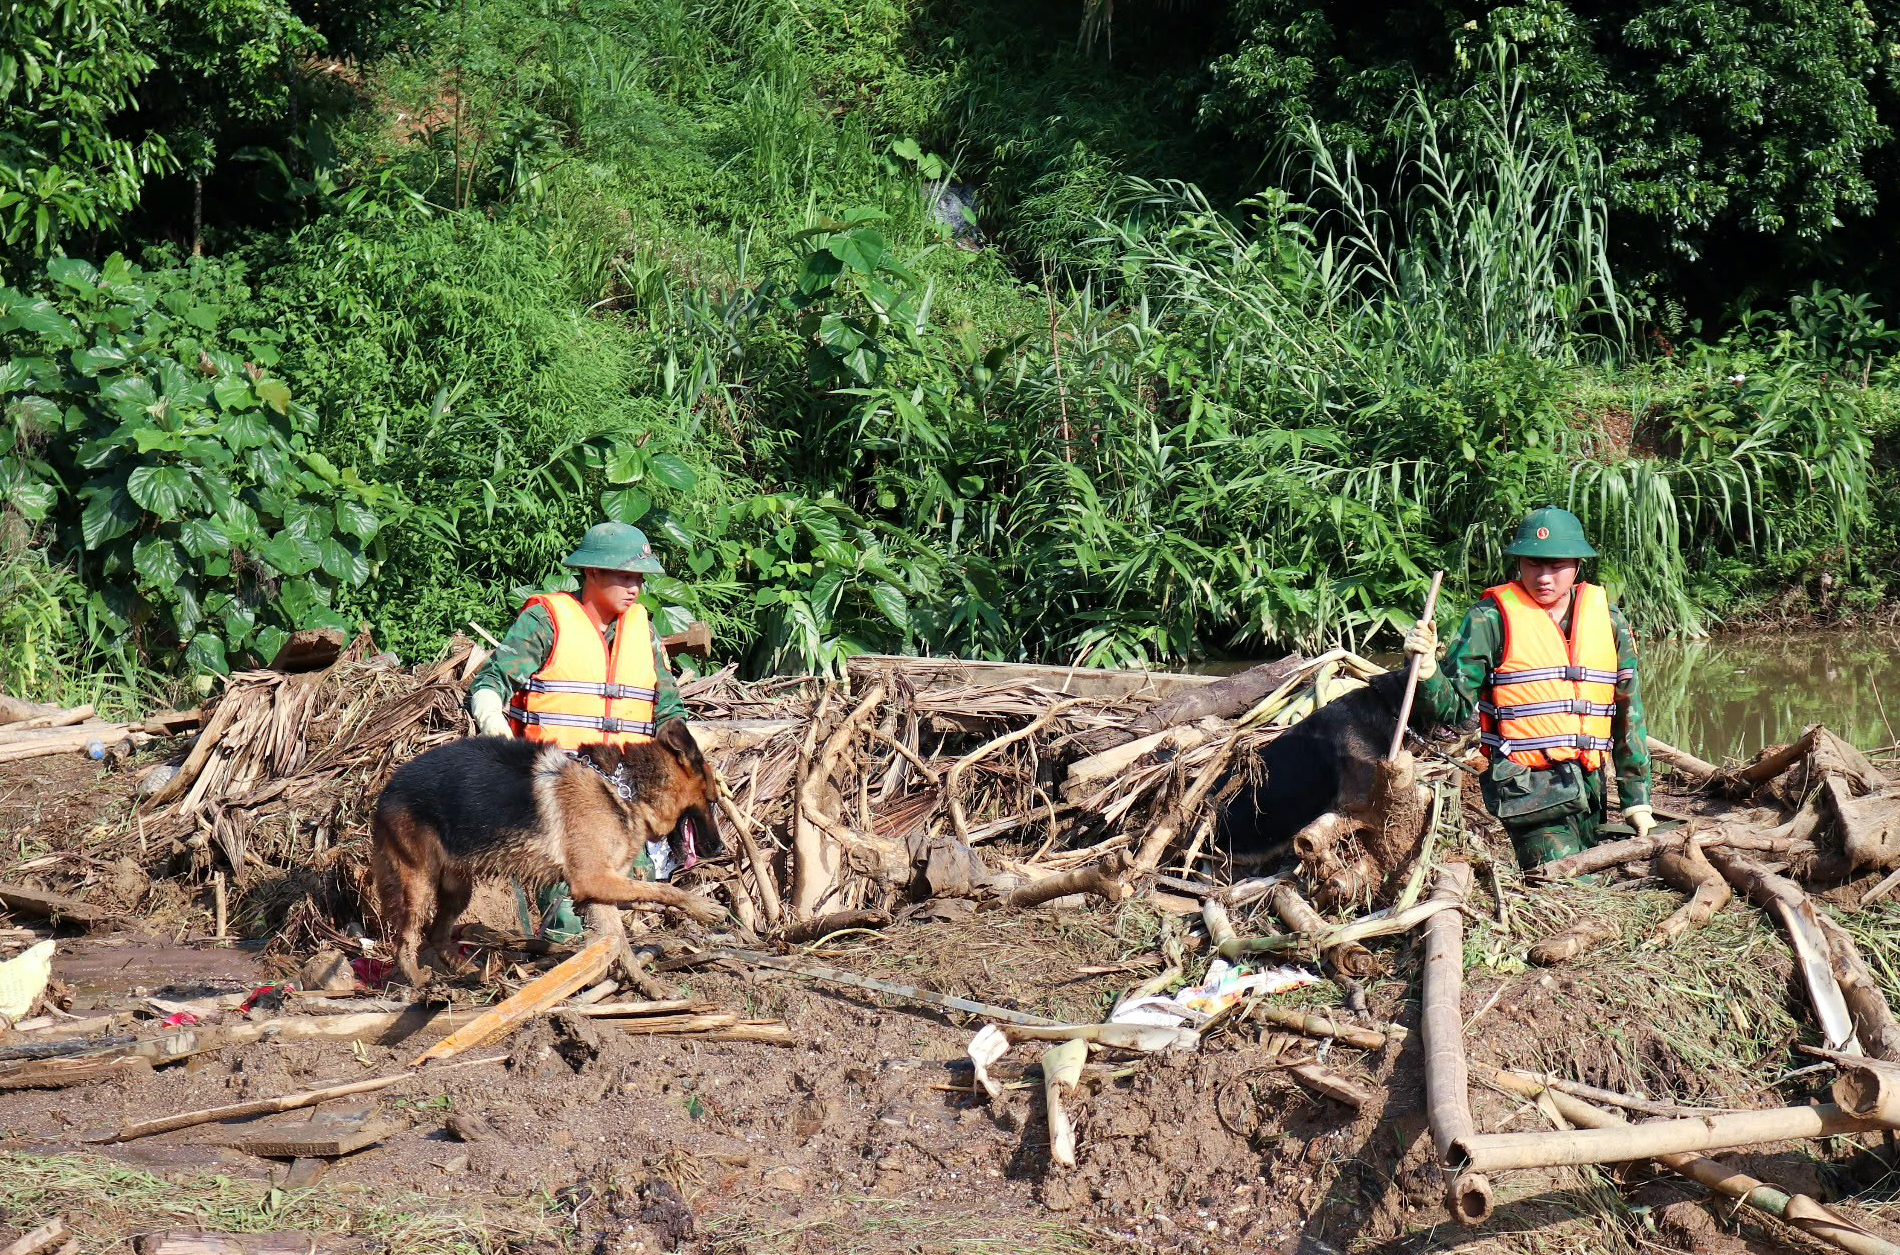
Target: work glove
[[1421, 642], [490, 715], [1641, 818]]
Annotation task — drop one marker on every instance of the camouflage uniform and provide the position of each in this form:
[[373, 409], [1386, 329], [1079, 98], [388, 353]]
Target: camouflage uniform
[[1451, 695]]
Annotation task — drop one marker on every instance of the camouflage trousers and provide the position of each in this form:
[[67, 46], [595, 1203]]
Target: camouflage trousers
[[1540, 843]]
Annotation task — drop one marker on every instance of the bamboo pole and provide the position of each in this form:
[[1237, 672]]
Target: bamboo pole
[[1796, 1210], [1447, 1096], [1874, 1022], [1800, 919], [1503, 1152], [1868, 1088], [1411, 674], [1344, 958], [1325, 1026]]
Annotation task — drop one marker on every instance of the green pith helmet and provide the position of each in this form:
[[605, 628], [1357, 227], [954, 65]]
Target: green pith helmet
[[1548, 532], [615, 547]]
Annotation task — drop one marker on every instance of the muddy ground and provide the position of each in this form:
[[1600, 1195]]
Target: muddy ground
[[866, 1136]]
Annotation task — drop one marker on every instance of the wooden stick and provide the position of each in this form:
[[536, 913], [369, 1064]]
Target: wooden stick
[[1348, 958], [1108, 880], [1442, 1020], [652, 1006], [255, 1107], [1584, 935], [818, 971], [1500, 1152], [1411, 678], [1797, 1211], [1874, 1021], [535, 998], [1612, 853]]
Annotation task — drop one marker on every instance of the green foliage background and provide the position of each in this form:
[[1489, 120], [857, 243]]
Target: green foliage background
[[1261, 312]]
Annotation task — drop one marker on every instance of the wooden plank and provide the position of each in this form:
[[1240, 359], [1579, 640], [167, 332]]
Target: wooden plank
[[1101, 682], [316, 1139], [47, 1236], [59, 1073], [536, 997], [21, 900], [304, 1173]]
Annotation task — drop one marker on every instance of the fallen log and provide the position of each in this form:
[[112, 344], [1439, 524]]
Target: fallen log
[[1681, 760], [66, 741], [1108, 880], [1796, 1210], [58, 719], [1503, 1152], [1781, 842], [1349, 959], [1800, 919], [537, 997], [1095, 682], [1447, 1097], [13, 710]]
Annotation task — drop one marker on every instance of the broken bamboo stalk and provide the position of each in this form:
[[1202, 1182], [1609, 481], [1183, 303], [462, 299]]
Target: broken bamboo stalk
[[537, 997], [1411, 673], [1220, 928], [1874, 1022], [1344, 958], [1800, 919], [1108, 880], [1447, 1096], [1796, 1210], [1503, 1152], [1062, 1072], [1325, 1026], [1868, 1088], [1324, 1080]]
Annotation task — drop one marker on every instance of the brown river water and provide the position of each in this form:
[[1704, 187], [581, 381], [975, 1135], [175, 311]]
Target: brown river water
[[1728, 696]]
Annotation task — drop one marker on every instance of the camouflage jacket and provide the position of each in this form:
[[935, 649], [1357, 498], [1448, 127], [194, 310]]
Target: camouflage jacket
[[1451, 695], [525, 649]]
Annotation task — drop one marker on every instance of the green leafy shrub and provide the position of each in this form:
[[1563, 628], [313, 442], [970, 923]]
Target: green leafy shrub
[[176, 468]]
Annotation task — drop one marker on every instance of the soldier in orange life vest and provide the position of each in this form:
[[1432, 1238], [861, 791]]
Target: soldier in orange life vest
[[1550, 666], [581, 669]]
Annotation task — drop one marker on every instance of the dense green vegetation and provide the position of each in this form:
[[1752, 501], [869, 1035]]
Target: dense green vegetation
[[322, 313]]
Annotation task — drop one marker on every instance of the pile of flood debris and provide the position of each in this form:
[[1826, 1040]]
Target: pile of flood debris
[[918, 790]]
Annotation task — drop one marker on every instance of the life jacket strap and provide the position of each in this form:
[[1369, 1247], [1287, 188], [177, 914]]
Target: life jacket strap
[[588, 688], [596, 723], [1571, 740], [1562, 706], [1574, 674]]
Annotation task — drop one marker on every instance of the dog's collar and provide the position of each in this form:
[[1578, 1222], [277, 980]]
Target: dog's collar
[[618, 782]]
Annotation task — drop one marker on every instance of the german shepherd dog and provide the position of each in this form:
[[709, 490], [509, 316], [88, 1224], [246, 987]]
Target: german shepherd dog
[[496, 806]]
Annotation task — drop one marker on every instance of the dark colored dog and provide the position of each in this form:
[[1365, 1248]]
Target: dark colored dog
[[495, 806], [1326, 762]]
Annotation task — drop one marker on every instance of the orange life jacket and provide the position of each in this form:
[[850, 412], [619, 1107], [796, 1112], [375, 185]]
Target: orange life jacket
[[585, 694], [1549, 700]]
